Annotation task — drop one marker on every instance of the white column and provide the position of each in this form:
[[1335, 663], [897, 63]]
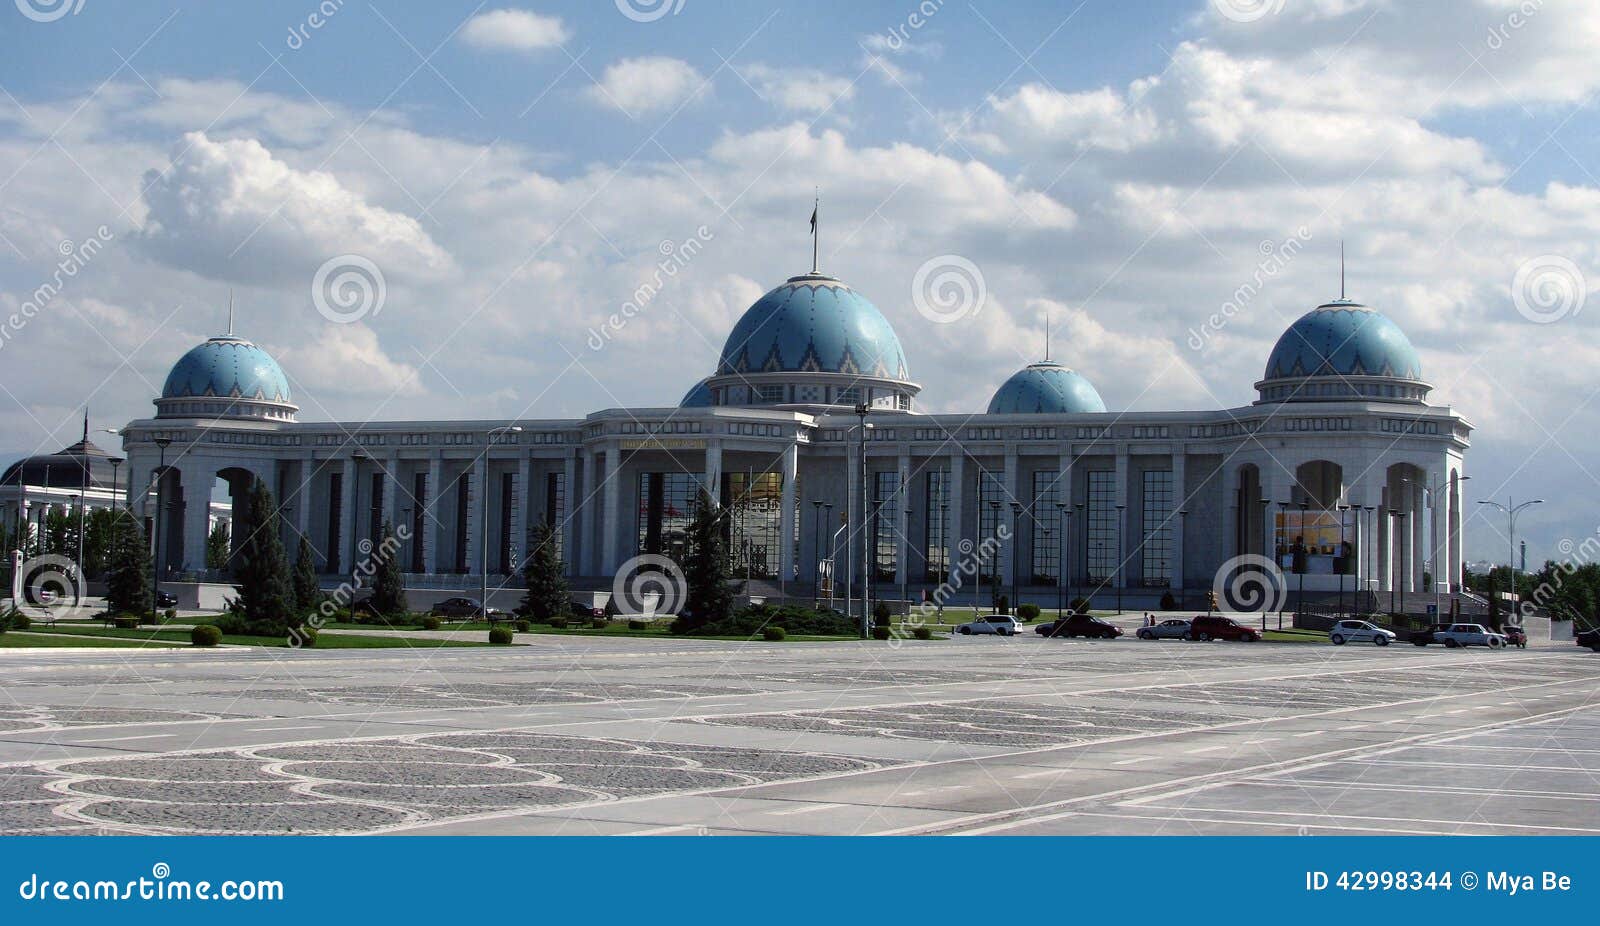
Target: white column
[[1274, 490], [430, 515], [713, 477], [1419, 542], [901, 522], [198, 478], [1454, 553], [1128, 538], [347, 517], [477, 487], [955, 527], [611, 532], [790, 467], [567, 524], [1383, 526], [1180, 498], [1439, 534]]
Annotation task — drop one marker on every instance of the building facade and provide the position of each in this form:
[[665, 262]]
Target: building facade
[[1341, 470]]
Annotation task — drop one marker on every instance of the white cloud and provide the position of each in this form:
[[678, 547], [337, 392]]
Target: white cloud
[[648, 84], [515, 30], [799, 90]]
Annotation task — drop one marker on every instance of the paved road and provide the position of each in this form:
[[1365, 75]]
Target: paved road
[[590, 735]]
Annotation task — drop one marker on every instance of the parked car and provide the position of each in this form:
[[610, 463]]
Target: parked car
[[1470, 635], [1589, 638], [1424, 637], [1079, 625], [166, 600], [1216, 627], [1360, 632], [585, 611], [1515, 636], [1001, 624], [1172, 629], [466, 607]]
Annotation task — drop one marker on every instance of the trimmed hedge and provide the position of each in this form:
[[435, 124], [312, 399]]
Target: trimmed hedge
[[638, 625], [598, 623], [750, 621], [126, 622], [559, 623], [523, 626], [205, 635], [500, 635], [1028, 612], [880, 633], [772, 634], [922, 633], [431, 623]]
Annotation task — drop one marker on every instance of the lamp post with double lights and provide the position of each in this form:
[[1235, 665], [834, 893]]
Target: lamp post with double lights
[[1512, 509], [483, 526], [1344, 558], [1016, 529], [1117, 573], [1063, 527], [862, 409], [816, 551]]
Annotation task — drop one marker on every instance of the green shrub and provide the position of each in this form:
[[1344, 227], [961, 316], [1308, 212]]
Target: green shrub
[[9, 618], [880, 614], [638, 625], [1081, 605], [205, 635], [1028, 612], [431, 623], [922, 633], [523, 626], [599, 623], [303, 636], [171, 614], [1003, 604], [500, 635], [126, 622], [1168, 603], [559, 623], [748, 622], [880, 633], [772, 634]]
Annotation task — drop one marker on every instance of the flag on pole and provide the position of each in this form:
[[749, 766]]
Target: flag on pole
[[817, 205], [814, 218]]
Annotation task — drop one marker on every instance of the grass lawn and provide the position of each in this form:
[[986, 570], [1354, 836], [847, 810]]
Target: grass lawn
[[1295, 636], [21, 640], [324, 640]]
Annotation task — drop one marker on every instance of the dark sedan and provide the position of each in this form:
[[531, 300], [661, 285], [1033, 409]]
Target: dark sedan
[[1079, 625], [1589, 638]]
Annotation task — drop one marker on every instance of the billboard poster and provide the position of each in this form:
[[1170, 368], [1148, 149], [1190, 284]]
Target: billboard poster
[[1312, 542]]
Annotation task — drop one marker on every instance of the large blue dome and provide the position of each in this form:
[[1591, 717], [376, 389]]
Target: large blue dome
[[1045, 388], [814, 324], [1343, 339], [227, 367]]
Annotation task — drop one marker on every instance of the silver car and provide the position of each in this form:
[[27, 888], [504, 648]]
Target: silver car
[[1174, 629], [1360, 632], [1000, 624], [1470, 635]]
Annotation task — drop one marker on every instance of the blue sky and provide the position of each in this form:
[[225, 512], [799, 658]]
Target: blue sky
[[513, 169]]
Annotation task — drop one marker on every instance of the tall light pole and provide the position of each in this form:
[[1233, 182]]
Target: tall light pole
[[1512, 509], [355, 507], [1063, 527], [1183, 522], [1117, 574], [483, 525], [865, 527], [78, 501], [155, 561], [994, 593], [1344, 559], [1016, 531], [816, 552]]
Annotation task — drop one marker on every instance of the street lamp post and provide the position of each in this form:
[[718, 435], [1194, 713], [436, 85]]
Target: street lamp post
[[1305, 555], [1064, 528], [1398, 515], [1283, 521], [1016, 527], [1117, 573], [816, 552], [861, 410], [78, 501], [483, 526], [1183, 548], [994, 506], [1344, 560], [1512, 509], [155, 561]]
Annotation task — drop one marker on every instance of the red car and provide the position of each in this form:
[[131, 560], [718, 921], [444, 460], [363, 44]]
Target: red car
[[1217, 627]]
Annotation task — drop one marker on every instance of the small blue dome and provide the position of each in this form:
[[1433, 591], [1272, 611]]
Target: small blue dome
[[698, 396], [227, 367], [814, 324], [1045, 388], [1344, 339]]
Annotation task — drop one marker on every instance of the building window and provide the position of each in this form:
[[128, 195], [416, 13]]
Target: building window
[[1046, 524], [755, 529], [848, 396], [885, 532], [769, 394], [1102, 525], [555, 508], [936, 525], [991, 503], [1157, 565], [666, 506]]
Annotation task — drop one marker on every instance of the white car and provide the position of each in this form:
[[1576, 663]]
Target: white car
[[1360, 632], [1469, 635], [1002, 624]]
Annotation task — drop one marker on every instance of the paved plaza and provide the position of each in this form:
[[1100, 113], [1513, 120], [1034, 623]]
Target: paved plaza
[[590, 735]]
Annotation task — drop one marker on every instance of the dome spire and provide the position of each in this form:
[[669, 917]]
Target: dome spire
[[1046, 334], [1341, 270], [230, 311]]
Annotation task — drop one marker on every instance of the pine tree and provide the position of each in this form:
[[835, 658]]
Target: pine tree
[[306, 586], [128, 587], [262, 569], [217, 547], [705, 570], [544, 574], [388, 586]]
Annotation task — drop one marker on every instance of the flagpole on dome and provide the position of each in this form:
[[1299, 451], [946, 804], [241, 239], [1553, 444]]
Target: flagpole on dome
[[816, 207]]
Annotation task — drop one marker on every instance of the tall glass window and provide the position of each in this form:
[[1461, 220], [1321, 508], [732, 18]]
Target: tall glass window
[[755, 522], [1102, 525], [1157, 565], [885, 537], [1046, 524], [555, 508], [666, 506], [936, 525], [992, 508]]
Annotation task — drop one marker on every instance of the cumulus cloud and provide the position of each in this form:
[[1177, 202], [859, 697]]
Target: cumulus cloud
[[514, 30], [343, 359], [229, 210], [799, 89], [647, 84]]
